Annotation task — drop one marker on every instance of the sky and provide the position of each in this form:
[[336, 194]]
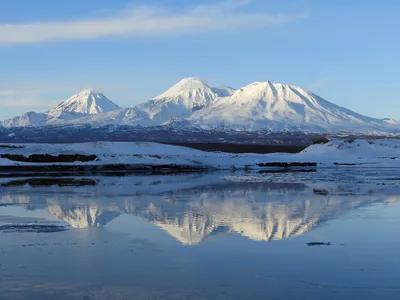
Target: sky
[[132, 50]]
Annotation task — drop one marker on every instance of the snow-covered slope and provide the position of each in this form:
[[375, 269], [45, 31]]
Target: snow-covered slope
[[268, 105], [87, 102], [27, 119], [224, 91], [126, 116], [391, 121], [357, 151]]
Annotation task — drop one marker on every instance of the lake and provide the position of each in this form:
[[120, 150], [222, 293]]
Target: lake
[[330, 234]]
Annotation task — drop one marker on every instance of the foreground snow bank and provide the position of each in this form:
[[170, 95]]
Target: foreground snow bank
[[355, 151], [138, 153], [335, 153]]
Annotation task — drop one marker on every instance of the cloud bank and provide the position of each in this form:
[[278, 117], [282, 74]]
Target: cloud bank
[[147, 21]]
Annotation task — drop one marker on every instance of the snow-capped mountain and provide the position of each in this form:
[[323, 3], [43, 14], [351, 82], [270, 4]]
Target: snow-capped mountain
[[178, 103], [87, 102], [28, 119], [191, 102], [268, 105], [181, 100]]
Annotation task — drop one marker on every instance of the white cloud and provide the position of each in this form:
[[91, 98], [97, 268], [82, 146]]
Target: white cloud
[[4, 93], [30, 101], [23, 99], [146, 21], [26, 97]]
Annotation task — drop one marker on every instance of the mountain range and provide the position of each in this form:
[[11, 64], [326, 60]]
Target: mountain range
[[193, 103]]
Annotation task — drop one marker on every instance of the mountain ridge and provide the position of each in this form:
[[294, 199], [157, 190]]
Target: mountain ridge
[[278, 105], [86, 102]]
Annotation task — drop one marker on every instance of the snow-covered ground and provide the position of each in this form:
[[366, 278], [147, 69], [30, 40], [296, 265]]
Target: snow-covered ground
[[336, 153], [355, 151]]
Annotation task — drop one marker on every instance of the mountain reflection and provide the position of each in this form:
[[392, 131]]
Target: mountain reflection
[[82, 217], [258, 211]]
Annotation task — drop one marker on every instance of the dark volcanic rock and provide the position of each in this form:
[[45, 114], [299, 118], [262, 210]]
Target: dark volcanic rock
[[37, 228]]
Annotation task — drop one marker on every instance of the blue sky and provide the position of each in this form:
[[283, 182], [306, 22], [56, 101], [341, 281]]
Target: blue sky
[[345, 51]]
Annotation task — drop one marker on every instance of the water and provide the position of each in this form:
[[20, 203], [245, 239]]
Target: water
[[200, 236]]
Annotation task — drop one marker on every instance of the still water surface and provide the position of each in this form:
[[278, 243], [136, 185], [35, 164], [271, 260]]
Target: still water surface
[[201, 237]]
